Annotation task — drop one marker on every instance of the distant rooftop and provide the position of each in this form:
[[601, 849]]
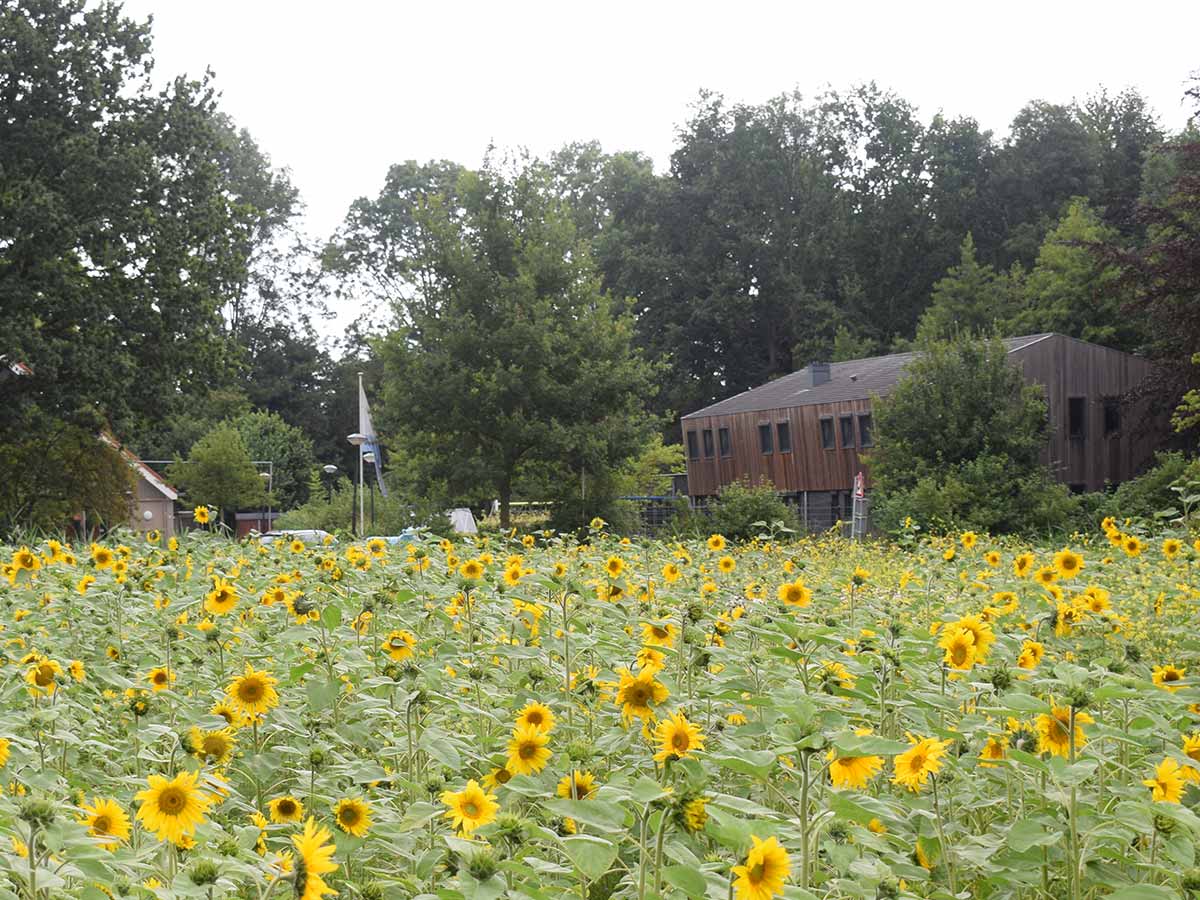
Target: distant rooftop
[[855, 379]]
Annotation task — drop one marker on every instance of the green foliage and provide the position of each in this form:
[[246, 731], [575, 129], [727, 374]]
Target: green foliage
[[972, 299], [332, 511], [513, 355], [959, 439], [645, 475], [267, 437], [1150, 493], [219, 472], [745, 511], [64, 469]]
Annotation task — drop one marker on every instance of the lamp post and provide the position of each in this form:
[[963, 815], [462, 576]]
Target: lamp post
[[330, 471], [358, 440], [270, 484], [369, 459]]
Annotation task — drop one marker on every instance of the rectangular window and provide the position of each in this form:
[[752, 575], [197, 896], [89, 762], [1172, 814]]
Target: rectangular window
[[864, 430], [1112, 416], [693, 445], [764, 439], [847, 427], [708, 443], [827, 435], [1077, 488], [784, 432], [723, 440], [1076, 418]]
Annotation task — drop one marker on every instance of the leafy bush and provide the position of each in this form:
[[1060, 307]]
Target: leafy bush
[[392, 514], [1151, 492], [744, 511]]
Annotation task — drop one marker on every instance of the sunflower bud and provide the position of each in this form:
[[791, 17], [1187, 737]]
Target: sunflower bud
[[435, 784], [1077, 697], [37, 811], [510, 827], [202, 872], [579, 751], [1164, 825], [372, 890], [316, 758]]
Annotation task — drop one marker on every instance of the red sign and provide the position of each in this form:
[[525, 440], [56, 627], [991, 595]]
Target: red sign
[[859, 486]]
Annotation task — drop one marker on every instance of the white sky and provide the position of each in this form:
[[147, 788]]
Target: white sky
[[337, 91]]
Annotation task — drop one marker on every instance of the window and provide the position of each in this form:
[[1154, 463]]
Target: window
[[723, 440], [864, 430], [827, 435], [693, 445], [1077, 488], [784, 433], [847, 427], [1112, 416], [764, 439], [1076, 416], [708, 443]]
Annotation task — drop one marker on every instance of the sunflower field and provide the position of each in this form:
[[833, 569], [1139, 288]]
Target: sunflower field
[[534, 716]]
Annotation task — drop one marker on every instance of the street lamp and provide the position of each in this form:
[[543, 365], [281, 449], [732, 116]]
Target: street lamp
[[369, 459], [270, 484], [358, 440], [330, 471]]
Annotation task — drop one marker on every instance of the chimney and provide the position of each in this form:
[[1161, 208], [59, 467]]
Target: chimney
[[819, 372]]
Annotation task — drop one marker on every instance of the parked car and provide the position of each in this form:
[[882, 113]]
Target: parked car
[[307, 535]]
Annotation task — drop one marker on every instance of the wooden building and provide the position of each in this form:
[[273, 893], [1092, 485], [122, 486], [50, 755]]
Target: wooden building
[[807, 432], [152, 504]]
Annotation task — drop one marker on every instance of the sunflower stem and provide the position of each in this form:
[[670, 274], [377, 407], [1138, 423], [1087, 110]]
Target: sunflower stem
[[804, 823], [937, 812], [1073, 812]]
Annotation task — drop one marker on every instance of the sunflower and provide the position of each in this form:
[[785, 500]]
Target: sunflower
[[399, 644], [214, 747], [959, 644], [995, 749], [253, 693], [659, 634], [794, 593], [1132, 545], [671, 573], [1022, 564], [1167, 676], [1191, 749], [1067, 563], [42, 676], [231, 716], [512, 575], [1046, 575], [201, 515], [969, 539], [497, 777], [470, 808], [677, 738], [636, 694], [981, 631], [105, 818], [577, 786], [472, 569], [527, 750], [726, 564], [918, 762], [1053, 731], [853, 771], [173, 809], [160, 678], [353, 816], [1171, 547], [5, 744], [614, 566], [992, 558], [314, 858], [767, 866], [536, 715], [222, 598], [102, 557], [1031, 655], [285, 809], [650, 660], [1167, 783]]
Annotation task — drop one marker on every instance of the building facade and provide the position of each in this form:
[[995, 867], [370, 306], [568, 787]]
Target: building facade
[[809, 433]]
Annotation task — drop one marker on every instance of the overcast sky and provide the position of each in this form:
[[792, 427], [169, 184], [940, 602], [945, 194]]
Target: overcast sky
[[337, 91]]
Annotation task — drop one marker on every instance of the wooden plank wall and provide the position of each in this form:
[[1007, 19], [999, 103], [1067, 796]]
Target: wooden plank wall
[[807, 467], [1067, 368]]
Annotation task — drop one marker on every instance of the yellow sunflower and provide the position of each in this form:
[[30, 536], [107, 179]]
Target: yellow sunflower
[[42, 676], [577, 786], [1167, 676], [766, 868], [160, 678], [471, 569], [285, 809], [637, 695], [1167, 784], [222, 599], [726, 564], [470, 808], [918, 762], [536, 715], [527, 750], [106, 819], [399, 644], [716, 543], [614, 566], [173, 809], [959, 644], [315, 858], [677, 738], [1067, 563], [201, 515], [659, 634], [794, 593], [253, 693], [215, 747], [1053, 731], [353, 816]]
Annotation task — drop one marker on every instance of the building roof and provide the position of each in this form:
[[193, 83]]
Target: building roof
[[855, 379], [156, 481]]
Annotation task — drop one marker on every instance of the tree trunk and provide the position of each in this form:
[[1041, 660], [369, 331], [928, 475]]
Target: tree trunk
[[505, 500]]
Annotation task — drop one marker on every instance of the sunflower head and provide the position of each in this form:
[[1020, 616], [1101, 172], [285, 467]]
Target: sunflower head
[[353, 816]]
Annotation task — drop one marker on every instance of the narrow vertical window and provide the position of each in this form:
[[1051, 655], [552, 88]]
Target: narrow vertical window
[[693, 445], [724, 442], [864, 430], [847, 427], [1112, 416], [708, 443], [784, 433], [827, 442], [1077, 418], [765, 443]]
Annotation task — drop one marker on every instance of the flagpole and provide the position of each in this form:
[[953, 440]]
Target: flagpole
[[361, 505]]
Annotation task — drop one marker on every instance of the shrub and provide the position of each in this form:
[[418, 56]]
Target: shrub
[[745, 511]]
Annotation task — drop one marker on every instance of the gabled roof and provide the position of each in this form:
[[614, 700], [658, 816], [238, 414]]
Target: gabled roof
[[156, 480], [855, 379]]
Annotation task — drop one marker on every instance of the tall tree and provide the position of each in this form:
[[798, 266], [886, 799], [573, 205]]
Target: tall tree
[[511, 354], [971, 300]]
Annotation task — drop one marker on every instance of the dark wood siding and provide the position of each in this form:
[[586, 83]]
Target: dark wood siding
[[1065, 367]]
